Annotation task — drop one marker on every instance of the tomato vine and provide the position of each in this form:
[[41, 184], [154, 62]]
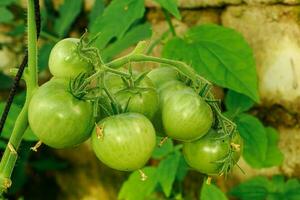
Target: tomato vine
[[91, 86]]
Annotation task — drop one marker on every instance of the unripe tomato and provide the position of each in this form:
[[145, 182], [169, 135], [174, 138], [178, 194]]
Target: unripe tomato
[[202, 154], [186, 116], [166, 91], [144, 101], [64, 60], [126, 141], [162, 75], [57, 118]]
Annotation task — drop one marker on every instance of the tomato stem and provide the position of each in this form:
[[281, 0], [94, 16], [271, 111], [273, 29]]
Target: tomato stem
[[10, 155]]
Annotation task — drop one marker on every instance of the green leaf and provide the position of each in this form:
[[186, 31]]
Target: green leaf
[[219, 54], [11, 118], [255, 139], [170, 6], [5, 81], [162, 151], [274, 156], [2, 144], [6, 2], [10, 122], [97, 10], [118, 16], [20, 98], [292, 189], [6, 16], [183, 169], [133, 36], [236, 102], [211, 192], [260, 188], [68, 12], [44, 53], [167, 172], [136, 189], [255, 188], [17, 31]]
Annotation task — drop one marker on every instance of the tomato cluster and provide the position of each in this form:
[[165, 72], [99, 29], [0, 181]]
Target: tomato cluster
[[129, 112]]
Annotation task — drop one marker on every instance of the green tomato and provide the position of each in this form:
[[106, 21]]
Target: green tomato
[[162, 75], [144, 101], [202, 154], [126, 141], [57, 118], [186, 116], [64, 60], [165, 92]]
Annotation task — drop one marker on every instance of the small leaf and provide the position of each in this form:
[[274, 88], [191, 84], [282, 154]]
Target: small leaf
[[255, 139], [68, 12], [255, 188], [219, 54], [274, 156], [6, 16], [183, 169], [133, 36], [170, 6], [116, 19], [167, 172], [237, 102], [163, 150], [211, 192], [136, 189]]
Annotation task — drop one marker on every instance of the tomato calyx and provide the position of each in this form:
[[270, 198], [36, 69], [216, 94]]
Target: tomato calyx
[[230, 160]]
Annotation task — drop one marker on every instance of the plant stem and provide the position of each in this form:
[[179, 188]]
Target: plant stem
[[10, 154], [168, 19], [181, 66]]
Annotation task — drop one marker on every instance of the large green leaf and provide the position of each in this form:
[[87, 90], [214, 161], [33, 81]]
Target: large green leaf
[[219, 54], [116, 19], [136, 189], [255, 139], [133, 36], [211, 192], [170, 6], [167, 172], [68, 12], [97, 10]]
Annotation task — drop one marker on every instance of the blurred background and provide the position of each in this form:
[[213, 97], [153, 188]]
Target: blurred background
[[272, 29]]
